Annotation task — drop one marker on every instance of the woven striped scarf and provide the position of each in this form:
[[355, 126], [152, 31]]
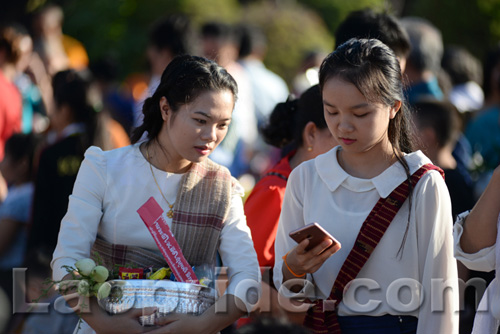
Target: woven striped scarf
[[201, 206], [322, 321]]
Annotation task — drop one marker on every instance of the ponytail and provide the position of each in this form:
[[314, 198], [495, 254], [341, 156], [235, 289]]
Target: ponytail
[[279, 132], [288, 120], [152, 120]]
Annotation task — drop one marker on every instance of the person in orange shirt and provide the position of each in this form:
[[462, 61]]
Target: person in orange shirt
[[298, 127], [57, 50]]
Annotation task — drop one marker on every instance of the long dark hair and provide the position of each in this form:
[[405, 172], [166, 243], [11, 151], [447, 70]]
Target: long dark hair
[[71, 89], [289, 118], [372, 67], [183, 80]]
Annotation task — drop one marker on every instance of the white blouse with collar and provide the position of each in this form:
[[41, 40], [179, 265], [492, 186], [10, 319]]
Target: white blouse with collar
[[319, 190]]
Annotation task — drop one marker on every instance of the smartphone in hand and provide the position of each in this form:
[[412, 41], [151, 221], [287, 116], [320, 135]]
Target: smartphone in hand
[[315, 233]]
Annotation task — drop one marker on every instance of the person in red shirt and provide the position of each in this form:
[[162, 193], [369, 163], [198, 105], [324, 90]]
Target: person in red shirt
[[298, 127], [10, 98]]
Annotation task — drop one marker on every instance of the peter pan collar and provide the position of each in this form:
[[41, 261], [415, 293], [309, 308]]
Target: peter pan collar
[[333, 175]]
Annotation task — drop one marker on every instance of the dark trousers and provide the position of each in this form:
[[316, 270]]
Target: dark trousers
[[386, 324]]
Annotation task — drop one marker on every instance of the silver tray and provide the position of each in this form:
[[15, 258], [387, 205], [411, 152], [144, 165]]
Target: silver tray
[[167, 296]]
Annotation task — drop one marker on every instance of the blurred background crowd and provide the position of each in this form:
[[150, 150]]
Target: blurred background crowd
[[75, 73]]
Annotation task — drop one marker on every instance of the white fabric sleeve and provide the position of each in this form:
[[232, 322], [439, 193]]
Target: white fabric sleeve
[[291, 218], [437, 267], [483, 260], [238, 254], [80, 224], [489, 321]]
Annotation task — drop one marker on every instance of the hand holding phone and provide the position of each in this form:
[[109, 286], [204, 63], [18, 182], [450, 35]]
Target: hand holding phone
[[316, 235]]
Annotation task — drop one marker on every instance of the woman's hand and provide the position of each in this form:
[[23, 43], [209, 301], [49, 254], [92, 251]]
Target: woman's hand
[[127, 322], [303, 262], [103, 323], [223, 313], [179, 323]]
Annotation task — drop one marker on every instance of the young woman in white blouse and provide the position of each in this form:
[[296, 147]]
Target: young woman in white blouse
[[185, 120], [408, 283]]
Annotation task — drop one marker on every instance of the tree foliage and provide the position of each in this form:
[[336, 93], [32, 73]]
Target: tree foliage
[[292, 30], [334, 11], [119, 28], [209, 10], [473, 24]]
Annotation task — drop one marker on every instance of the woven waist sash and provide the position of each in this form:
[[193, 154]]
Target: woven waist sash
[[113, 254], [372, 230]]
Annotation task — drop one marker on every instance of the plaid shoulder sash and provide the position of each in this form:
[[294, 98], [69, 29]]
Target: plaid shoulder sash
[[202, 204], [372, 230]]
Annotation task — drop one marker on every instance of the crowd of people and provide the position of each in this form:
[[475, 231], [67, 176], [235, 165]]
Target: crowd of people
[[392, 146]]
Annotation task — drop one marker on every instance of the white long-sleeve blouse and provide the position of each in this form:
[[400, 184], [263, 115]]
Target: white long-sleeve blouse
[[112, 185], [320, 191]]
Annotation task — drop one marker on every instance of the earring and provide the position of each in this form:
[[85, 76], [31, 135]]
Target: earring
[[309, 148]]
